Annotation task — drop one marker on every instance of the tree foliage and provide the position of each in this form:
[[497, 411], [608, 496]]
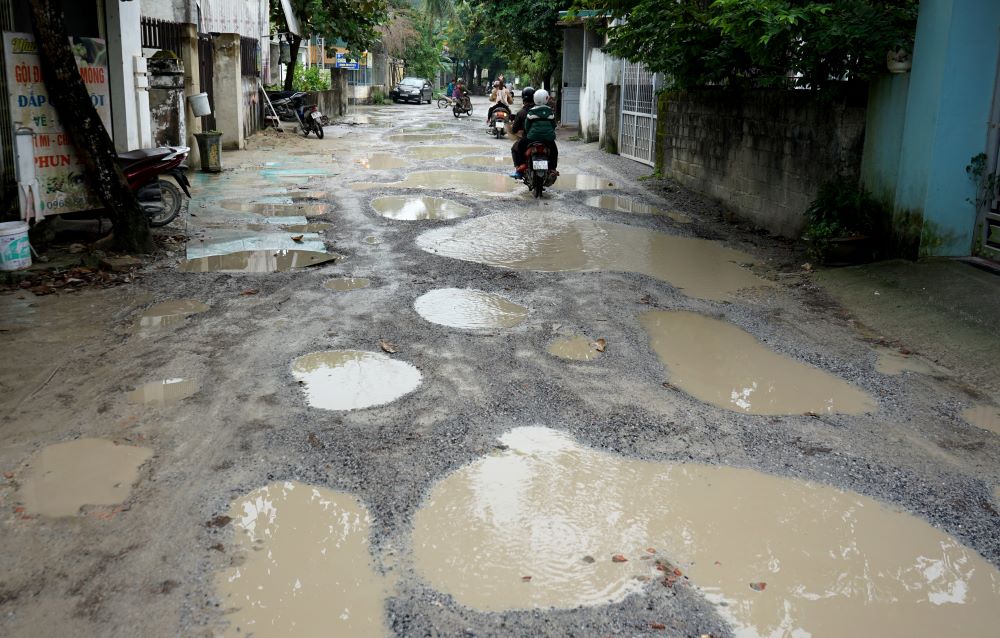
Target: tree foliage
[[759, 43], [356, 22], [520, 29]]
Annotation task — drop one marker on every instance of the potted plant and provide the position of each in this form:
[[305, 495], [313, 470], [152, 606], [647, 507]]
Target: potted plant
[[898, 60], [844, 225]]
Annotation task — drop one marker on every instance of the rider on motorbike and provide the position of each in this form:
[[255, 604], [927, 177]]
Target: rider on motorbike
[[461, 94], [539, 126], [503, 98], [517, 128]]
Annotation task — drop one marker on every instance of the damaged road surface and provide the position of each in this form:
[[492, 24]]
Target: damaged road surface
[[386, 392]]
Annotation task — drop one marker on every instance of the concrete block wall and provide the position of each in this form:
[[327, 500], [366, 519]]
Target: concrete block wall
[[762, 154]]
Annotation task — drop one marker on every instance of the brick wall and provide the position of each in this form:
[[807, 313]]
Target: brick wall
[[762, 154]]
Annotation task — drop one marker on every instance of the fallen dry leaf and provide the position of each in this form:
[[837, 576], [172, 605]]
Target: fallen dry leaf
[[249, 291], [219, 521], [619, 558], [387, 346], [8, 475], [525, 579], [650, 550], [657, 625], [297, 238], [600, 345], [758, 586], [218, 547]]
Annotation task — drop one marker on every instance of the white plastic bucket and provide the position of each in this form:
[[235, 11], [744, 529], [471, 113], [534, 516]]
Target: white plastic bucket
[[199, 104], [15, 252]]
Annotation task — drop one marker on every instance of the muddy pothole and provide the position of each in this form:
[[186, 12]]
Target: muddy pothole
[[381, 161], [418, 208], [621, 204], [446, 151], [576, 348], [277, 207], [353, 379], [257, 261], [547, 522], [344, 284], [169, 313], [473, 181], [163, 392], [986, 417], [469, 309], [305, 566], [67, 476], [551, 242], [720, 363]]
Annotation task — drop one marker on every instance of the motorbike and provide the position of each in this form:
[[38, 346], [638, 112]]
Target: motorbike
[[498, 122], [145, 169], [537, 174], [290, 106], [461, 106]]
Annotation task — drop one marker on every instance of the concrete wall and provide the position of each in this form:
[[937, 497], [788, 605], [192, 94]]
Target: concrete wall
[[129, 102], [601, 70], [167, 109], [762, 154], [229, 91], [332, 103], [611, 118]]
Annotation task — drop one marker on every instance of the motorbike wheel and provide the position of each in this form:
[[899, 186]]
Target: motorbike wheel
[[319, 130], [305, 128], [163, 212], [536, 184], [455, 113], [442, 102]]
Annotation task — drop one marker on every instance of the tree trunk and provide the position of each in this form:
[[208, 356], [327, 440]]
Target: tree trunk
[[70, 97], [293, 49]]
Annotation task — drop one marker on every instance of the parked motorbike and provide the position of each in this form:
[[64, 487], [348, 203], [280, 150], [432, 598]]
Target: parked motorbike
[[464, 105], [498, 122], [537, 174], [290, 106], [145, 169]]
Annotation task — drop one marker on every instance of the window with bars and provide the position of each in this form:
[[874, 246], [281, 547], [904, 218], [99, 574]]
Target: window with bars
[[160, 34], [249, 56]]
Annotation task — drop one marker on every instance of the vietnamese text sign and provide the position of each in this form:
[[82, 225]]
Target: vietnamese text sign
[[60, 174], [343, 63]]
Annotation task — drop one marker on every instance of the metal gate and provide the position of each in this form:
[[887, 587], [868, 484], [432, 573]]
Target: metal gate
[[637, 134], [206, 62], [989, 211]]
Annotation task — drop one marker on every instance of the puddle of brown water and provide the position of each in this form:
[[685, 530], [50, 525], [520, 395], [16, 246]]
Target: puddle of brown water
[[66, 476], [986, 417], [473, 181], [446, 151], [372, 240], [314, 227], [421, 137], [281, 207], [353, 379], [486, 160], [163, 392], [343, 284], [418, 208], [578, 348], [576, 182], [894, 363], [169, 313], [835, 563], [382, 161], [626, 205], [719, 363], [550, 242], [258, 261], [469, 309], [307, 568]]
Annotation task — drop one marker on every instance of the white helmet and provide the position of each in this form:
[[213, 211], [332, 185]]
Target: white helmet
[[541, 97]]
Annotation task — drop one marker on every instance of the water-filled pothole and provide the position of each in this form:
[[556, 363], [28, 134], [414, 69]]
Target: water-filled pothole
[[169, 313], [67, 476], [445, 151], [257, 261], [469, 309], [551, 242], [277, 206], [306, 569], [621, 204], [344, 284], [163, 392], [894, 363], [353, 379], [474, 181], [381, 161], [417, 208], [577, 182], [578, 348], [719, 363], [548, 522], [491, 161], [421, 137], [986, 417]]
